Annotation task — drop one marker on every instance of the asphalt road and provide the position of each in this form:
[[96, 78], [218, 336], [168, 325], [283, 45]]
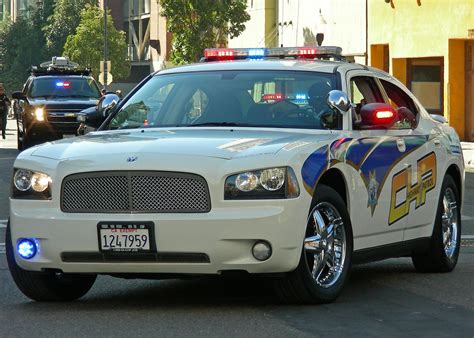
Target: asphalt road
[[382, 299]]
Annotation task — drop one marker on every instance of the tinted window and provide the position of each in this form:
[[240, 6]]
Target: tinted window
[[247, 98], [63, 87], [364, 90], [403, 104]]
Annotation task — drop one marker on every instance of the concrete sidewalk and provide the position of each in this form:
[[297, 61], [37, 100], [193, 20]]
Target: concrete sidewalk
[[468, 152], [10, 141]]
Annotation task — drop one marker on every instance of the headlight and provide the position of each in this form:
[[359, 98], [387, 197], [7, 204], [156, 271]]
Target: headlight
[[39, 114], [272, 183], [29, 184]]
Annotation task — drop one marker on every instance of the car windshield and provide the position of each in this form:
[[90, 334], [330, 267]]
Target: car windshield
[[50, 87], [282, 99]]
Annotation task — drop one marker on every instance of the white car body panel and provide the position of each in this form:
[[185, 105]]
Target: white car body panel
[[226, 234]]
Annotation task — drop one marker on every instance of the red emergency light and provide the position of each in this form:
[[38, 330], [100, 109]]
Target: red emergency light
[[273, 97], [226, 54]]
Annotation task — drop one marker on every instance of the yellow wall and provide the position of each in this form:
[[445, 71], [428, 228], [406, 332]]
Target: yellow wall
[[426, 28], [413, 30]]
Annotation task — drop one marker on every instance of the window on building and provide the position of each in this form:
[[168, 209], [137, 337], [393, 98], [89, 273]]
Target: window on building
[[425, 80], [135, 7]]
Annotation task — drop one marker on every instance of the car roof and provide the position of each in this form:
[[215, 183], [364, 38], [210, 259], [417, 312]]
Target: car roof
[[322, 66]]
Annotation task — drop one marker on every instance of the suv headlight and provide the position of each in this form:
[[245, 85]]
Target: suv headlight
[[39, 114], [29, 184], [271, 183]]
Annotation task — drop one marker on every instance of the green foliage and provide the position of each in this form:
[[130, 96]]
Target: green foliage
[[22, 45], [85, 46], [63, 22], [200, 24]]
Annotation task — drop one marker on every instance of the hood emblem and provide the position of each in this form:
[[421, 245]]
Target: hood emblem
[[132, 158]]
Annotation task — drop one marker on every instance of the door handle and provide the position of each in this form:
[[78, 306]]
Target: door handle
[[401, 145]]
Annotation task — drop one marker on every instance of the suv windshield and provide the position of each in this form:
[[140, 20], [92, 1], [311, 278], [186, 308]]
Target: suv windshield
[[64, 87], [285, 99]]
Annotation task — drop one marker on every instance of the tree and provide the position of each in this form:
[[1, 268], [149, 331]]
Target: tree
[[63, 22], [200, 24], [22, 44], [85, 46]]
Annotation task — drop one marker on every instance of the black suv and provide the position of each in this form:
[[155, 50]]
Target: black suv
[[51, 99]]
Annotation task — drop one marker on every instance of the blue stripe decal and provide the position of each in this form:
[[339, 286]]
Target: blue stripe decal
[[313, 167], [382, 158], [359, 149]]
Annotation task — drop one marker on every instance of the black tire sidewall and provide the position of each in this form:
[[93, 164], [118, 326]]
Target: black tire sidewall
[[325, 193], [437, 246], [42, 286]]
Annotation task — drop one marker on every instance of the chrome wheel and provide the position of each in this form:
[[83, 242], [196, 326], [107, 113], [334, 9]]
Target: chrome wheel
[[449, 222], [325, 244]]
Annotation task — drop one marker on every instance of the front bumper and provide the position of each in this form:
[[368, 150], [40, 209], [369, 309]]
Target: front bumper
[[52, 130], [226, 235]]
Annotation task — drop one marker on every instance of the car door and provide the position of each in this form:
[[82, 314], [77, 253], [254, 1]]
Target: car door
[[376, 155], [413, 196]]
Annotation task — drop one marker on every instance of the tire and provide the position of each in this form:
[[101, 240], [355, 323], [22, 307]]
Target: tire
[[47, 286], [19, 143], [442, 255], [299, 286]]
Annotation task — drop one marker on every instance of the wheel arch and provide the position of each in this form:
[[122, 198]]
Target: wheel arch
[[454, 171], [335, 179]]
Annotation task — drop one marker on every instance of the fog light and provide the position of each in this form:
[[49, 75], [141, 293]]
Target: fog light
[[262, 250], [26, 248]]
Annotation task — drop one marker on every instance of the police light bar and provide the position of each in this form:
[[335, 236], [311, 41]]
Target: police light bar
[[227, 54]]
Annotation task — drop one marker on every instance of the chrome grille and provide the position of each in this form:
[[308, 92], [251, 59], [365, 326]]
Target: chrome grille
[[135, 192]]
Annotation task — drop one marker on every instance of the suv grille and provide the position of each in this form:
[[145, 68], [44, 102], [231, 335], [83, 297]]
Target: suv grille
[[135, 192]]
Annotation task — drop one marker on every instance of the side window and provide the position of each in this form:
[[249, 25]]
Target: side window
[[363, 90], [403, 104]]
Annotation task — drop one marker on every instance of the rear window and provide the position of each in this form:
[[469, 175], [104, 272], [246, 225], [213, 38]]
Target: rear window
[[285, 99], [76, 87]]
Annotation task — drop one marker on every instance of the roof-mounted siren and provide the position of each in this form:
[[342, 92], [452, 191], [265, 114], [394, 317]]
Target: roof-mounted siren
[[60, 62], [228, 54]]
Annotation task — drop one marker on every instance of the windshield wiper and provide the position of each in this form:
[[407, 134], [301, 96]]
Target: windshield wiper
[[219, 124]]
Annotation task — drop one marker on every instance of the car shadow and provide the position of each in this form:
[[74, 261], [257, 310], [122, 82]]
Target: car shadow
[[243, 291]]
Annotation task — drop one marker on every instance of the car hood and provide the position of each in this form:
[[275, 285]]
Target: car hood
[[73, 103], [209, 142]]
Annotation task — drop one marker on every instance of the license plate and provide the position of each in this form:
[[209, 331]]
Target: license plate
[[126, 237]]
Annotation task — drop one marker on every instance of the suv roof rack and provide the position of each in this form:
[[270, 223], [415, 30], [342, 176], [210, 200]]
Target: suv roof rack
[[59, 66]]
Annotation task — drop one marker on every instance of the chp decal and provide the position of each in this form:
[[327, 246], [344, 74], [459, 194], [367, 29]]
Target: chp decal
[[402, 186], [372, 157]]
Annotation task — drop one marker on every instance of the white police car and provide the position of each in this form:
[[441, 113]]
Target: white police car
[[273, 162]]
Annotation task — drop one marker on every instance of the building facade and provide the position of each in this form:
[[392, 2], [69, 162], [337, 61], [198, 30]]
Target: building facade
[[148, 40], [299, 23], [12, 9], [428, 45]]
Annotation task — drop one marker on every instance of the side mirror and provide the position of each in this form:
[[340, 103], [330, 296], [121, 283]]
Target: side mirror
[[107, 103], [18, 96], [339, 100], [90, 119], [439, 118], [377, 115]]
